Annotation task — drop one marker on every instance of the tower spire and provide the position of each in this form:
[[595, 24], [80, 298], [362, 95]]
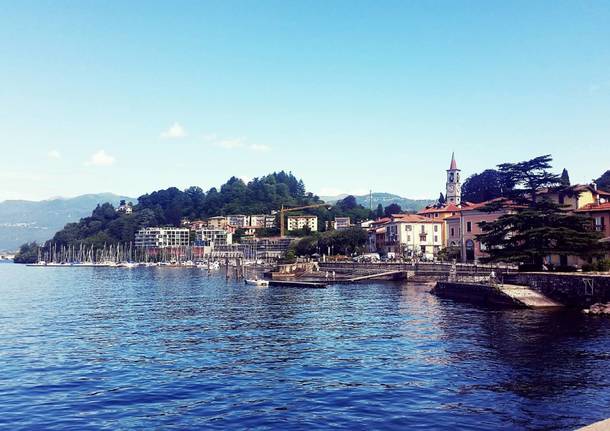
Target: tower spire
[[454, 188], [453, 163]]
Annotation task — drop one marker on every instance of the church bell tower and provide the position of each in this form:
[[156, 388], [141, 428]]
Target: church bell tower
[[454, 187]]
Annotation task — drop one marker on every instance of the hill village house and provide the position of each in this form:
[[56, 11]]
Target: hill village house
[[456, 224]]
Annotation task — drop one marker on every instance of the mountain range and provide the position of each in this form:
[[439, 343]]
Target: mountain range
[[384, 199], [25, 221]]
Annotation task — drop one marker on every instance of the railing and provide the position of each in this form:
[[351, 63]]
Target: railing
[[461, 271]]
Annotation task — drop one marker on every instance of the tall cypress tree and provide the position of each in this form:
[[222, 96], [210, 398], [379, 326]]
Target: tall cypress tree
[[441, 199], [534, 226], [379, 211]]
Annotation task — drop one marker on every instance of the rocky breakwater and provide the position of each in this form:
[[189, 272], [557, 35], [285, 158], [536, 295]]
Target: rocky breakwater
[[598, 309]]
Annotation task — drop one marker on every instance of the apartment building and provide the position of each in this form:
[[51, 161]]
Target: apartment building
[[160, 237], [238, 220], [302, 221], [210, 237]]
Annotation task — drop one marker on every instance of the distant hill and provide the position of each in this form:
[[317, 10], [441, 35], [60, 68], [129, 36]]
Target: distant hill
[[384, 199], [24, 221]]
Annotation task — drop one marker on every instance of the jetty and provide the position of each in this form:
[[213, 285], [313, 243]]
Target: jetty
[[503, 295], [597, 426]]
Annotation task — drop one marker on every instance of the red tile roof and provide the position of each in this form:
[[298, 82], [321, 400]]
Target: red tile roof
[[412, 218], [595, 207], [449, 208]]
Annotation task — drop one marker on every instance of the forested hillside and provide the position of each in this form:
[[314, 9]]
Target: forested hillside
[[170, 206]]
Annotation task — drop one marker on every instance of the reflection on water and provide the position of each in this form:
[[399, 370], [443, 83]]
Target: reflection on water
[[167, 348]]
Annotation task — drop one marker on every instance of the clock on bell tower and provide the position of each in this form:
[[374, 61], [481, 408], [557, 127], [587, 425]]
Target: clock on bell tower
[[454, 188]]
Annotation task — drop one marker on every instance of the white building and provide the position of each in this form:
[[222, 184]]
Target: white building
[[413, 236], [257, 221], [302, 222], [217, 222], [238, 220], [270, 221], [342, 223], [125, 208], [213, 237], [162, 237]]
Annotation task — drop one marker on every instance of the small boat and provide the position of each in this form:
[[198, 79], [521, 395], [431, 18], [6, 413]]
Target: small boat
[[127, 265], [257, 282]]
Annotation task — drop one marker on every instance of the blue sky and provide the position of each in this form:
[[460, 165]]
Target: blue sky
[[130, 97]]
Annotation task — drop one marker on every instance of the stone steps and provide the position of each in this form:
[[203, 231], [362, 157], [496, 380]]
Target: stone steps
[[528, 297]]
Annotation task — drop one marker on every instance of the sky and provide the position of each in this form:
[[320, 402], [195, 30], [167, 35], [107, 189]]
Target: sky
[[351, 96]]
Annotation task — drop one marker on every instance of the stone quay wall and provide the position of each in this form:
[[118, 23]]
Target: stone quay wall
[[572, 290], [474, 293]]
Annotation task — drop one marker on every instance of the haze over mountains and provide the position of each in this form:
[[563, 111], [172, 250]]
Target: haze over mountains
[[384, 199], [24, 221]]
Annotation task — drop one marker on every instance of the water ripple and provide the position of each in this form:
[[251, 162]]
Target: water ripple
[[160, 348]]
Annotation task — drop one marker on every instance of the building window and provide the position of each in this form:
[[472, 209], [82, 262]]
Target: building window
[[452, 232], [599, 224], [468, 226], [435, 228], [435, 238]]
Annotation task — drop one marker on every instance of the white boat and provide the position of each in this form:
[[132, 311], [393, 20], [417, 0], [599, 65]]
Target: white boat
[[127, 265], [212, 266], [257, 282]]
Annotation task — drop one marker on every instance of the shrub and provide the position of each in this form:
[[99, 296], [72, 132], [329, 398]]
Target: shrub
[[602, 265]]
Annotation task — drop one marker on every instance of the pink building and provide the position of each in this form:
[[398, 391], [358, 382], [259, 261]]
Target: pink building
[[463, 228]]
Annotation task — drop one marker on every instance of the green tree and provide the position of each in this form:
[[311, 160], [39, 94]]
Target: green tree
[[392, 209], [346, 241], [565, 178], [28, 253], [379, 212], [534, 226], [489, 184], [441, 199], [603, 182]]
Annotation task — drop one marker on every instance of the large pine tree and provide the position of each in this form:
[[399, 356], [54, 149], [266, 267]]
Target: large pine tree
[[534, 226]]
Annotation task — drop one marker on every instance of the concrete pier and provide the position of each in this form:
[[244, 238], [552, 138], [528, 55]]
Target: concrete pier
[[597, 426], [497, 295]]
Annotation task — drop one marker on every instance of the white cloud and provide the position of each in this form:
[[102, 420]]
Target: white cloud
[[176, 131], [101, 158], [54, 154]]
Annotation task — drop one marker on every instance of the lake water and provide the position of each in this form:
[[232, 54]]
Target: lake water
[[150, 348]]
